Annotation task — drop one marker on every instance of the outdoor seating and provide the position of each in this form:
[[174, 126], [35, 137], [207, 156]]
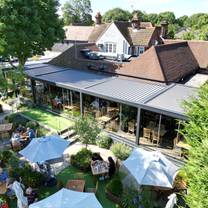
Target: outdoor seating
[[147, 133], [76, 185], [155, 137], [99, 167], [131, 127]]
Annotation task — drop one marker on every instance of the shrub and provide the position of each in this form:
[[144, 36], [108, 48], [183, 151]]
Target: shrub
[[115, 187], [5, 156], [32, 124], [104, 141], [16, 119], [121, 151], [82, 159], [130, 198]]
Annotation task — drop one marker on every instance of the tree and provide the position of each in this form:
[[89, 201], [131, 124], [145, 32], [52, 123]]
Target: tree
[[182, 21], [153, 18], [141, 15], [188, 36], [28, 28], [87, 129], [77, 11], [117, 14], [168, 16], [196, 135]]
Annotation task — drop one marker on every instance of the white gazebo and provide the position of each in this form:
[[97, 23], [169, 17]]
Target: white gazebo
[[151, 169], [68, 199]]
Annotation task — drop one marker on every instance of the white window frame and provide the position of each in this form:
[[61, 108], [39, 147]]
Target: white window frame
[[110, 47], [141, 50]]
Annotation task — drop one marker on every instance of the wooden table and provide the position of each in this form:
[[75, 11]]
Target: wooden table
[[99, 167], [104, 119], [183, 145], [76, 185], [3, 188]]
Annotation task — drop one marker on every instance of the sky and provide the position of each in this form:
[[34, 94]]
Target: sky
[[179, 7]]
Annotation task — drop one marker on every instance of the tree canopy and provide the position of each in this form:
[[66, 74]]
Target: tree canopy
[[117, 14], [77, 11], [196, 134], [28, 28]]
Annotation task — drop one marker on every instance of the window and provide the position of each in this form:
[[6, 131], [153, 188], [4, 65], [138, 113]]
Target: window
[[141, 50], [110, 47]]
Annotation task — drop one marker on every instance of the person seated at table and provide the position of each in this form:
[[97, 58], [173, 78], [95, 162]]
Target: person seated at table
[[58, 102], [15, 140], [20, 129], [31, 195], [30, 134], [3, 176], [96, 156], [112, 167]]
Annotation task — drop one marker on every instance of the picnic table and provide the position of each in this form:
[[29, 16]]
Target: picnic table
[[99, 167], [76, 185]]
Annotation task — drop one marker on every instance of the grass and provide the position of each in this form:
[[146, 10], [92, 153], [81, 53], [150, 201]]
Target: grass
[[74, 173], [49, 119]]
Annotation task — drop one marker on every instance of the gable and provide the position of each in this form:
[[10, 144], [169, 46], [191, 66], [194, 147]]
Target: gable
[[112, 34]]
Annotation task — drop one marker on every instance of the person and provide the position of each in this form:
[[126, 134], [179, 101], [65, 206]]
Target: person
[[112, 167], [3, 176], [31, 195], [20, 129], [15, 140], [30, 134]]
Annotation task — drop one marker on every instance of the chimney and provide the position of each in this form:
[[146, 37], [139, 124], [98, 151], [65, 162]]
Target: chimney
[[164, 29], [135, 22], [98, 19]]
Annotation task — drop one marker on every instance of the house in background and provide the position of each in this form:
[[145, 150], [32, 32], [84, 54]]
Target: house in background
[[128, 38], [119, 37]]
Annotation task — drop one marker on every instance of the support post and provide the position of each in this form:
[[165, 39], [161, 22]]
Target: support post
[[120, 116], [33, 84], [138, 125], [159, 126], [81, 105]]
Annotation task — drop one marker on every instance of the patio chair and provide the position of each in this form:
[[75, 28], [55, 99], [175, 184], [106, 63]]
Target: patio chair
[[93, 190], [147, 133], [155, 137]]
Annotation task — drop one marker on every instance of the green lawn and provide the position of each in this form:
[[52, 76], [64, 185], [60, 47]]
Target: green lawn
[[55, 122], [74, 173]]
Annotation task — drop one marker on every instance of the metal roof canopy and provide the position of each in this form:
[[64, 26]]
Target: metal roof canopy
[[171, 100], [66, 77], [147, 95], [127, 91]]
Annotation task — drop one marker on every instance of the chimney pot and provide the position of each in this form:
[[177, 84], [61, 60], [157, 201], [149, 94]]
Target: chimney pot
[[135, 22], [164, 28], [98, 18]]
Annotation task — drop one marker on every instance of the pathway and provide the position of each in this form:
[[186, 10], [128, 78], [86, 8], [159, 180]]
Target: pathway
[[7, 109]]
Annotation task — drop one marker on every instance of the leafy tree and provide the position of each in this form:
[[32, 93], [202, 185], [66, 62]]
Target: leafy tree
[[168, 16], [117, 14], [77, 11], [87, 129], [188, 36], [182, 21], [28, 28], [141, 15], [153, 18], [196, 135]]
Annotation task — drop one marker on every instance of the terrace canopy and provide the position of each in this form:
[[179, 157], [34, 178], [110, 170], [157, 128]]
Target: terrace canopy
[[151, 168], [68, 199], [36, 150]]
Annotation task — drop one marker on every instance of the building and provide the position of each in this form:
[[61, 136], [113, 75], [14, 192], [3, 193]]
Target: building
[[118, 38]]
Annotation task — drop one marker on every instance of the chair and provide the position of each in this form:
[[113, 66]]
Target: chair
[[131, 127], [155, 137], [147, 133], [93, 190]]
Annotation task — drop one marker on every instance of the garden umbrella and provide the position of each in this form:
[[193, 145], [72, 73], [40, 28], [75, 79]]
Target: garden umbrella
[[68, 199], [44, 148], [151, 168], [21, 199]]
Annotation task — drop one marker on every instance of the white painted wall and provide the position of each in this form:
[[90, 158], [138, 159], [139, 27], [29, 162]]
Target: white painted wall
[[113, 35]]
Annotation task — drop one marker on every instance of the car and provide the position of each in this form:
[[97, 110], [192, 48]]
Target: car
[[95, 56]]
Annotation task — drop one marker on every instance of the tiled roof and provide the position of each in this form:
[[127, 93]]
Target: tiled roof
[[198, 48], [78, 33], [97, 31], [164, 63], [141, 36]]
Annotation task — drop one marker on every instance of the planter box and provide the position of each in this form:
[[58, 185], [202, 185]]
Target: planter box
[[113, 198]]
